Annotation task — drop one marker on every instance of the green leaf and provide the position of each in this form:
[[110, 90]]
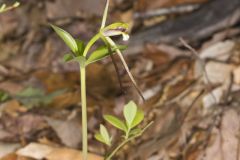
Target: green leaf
[[102, 52], [68, 57], [116, 122], [81, 47], [99, 137], [67, 38], [35, 97], [129, 112], [3, 96], [138, 118], [105, 135]]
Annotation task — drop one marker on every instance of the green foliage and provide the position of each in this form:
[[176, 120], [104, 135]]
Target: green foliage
[[133, 117], [102, 52], [129, 112], [116, 122], [103, 136], [34, 97], [3, 96], [67, 38], [78, 48]]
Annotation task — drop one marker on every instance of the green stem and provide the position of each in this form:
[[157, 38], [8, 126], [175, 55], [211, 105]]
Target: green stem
[[116, 149], [90, 43], [126, 141], [84, 112]]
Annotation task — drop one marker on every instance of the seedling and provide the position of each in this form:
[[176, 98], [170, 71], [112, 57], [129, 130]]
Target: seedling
[[133, 117], [80, 54]]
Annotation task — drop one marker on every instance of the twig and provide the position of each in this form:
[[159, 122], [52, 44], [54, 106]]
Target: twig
[[111, 42], [116, 67], [202, 63], [167, 11]]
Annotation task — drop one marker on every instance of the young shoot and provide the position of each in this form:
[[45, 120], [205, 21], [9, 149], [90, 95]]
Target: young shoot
[[133, 117]]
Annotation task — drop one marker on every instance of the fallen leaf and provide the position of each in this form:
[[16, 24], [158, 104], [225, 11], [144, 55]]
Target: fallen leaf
[[236, 75], [41, 151], [225, 144], [218, 72], [219, 51], [35, 150], [69, 131], [6, 148], [69, 154]]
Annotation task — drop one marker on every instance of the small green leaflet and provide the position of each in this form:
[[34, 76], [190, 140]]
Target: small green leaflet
[[67, 38], [129, 112], [99, 137], [102, 52], [116, 122], [105, 135], [68, 57], [138, 118]]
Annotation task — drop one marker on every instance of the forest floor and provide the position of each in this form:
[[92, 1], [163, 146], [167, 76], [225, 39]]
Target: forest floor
[[191, 85]]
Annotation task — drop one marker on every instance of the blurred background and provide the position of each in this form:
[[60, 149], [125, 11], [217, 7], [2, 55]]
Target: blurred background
[[184, 55]]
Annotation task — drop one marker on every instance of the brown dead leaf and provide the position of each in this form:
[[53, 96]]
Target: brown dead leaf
[[35, 150], [69, 131], [66, 100], [13, 108], [41, 151], [236, 75], [225, 142], [67, 154], [11, 87], [158, 56], [6, 148]]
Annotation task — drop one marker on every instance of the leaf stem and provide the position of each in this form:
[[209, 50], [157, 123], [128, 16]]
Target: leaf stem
[[84, 112], [126, 141]]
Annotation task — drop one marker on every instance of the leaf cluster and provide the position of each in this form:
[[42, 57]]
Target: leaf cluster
[[133, 117], [79, 50]]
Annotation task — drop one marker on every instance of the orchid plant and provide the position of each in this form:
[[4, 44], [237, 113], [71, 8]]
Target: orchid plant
[[80, 54]]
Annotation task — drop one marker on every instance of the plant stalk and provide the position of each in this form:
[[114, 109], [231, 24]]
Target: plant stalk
[[116, 149], [84, 112]]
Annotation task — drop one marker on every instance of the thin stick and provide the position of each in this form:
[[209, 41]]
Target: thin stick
[[116, 69], [202, 63], [111, 42]]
